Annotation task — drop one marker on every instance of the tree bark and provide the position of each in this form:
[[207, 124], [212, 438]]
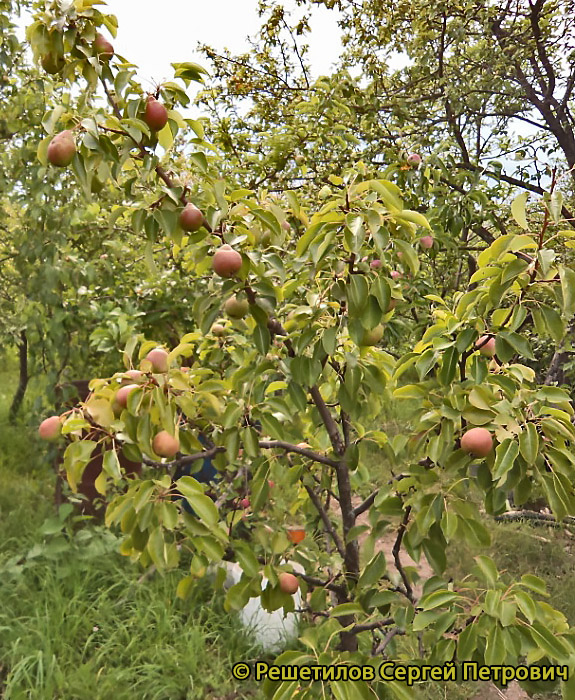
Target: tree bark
[[23, 377]]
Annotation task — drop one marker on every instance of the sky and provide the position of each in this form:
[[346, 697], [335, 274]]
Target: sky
[[152, 35]]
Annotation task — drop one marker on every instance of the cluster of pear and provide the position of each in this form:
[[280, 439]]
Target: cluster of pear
[[164, 444]]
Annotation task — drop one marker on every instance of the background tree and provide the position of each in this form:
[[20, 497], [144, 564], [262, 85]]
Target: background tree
[[485, 95]]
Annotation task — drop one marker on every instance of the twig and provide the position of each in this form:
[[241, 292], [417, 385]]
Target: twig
[[326, 521], [396, 547]]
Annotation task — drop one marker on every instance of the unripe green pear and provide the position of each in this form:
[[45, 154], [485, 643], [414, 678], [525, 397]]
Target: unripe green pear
[[52, 63], [372, 337], [236, 308], [218, 330]]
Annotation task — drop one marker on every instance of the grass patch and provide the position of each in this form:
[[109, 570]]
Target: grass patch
[[97, 632]]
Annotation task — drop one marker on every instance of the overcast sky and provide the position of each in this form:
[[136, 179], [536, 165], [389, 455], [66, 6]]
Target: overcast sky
[[153, 34]]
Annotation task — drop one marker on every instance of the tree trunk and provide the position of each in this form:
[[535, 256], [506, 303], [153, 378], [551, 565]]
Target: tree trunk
[[22, 379]]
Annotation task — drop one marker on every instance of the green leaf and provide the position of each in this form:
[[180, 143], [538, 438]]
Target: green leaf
[[247, 559], [203, 506], [156, 548], [553, 646], [529, 443], [534, 583], [414, 217], [373, 572], [425, 618], [567, 277], [76, 457], [467, 643], [329, 340], [449, 365], [111, 465], [262, 339], [357, 291], [184, 587], [495, 651], [505, 457], [526, 604], [438, 599], [518, 343], [347, 609], [556, 205], [189, 71], [488, 569], [518, 209]]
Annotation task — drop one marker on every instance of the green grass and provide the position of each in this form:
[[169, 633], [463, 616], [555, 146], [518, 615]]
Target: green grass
[[99, 633]]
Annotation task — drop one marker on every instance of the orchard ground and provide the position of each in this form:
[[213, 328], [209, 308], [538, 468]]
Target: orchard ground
[[78, 620]]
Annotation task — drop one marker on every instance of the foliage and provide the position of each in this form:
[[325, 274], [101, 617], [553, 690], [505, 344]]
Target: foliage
[[292, 393]]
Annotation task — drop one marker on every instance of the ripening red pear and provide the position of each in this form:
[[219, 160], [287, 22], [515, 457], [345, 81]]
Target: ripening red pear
[[226, 261], [123, 393], [165, 445], [155, 114], [413, 159], [426, 242], [191, 218], [396, 275], [50, 428], [477, 442], [159, 359], [103, 48], [61, 149], [288, 583], [487, 345]]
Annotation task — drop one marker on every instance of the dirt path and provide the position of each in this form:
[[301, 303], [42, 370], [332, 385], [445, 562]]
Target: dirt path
[[385, 544]]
